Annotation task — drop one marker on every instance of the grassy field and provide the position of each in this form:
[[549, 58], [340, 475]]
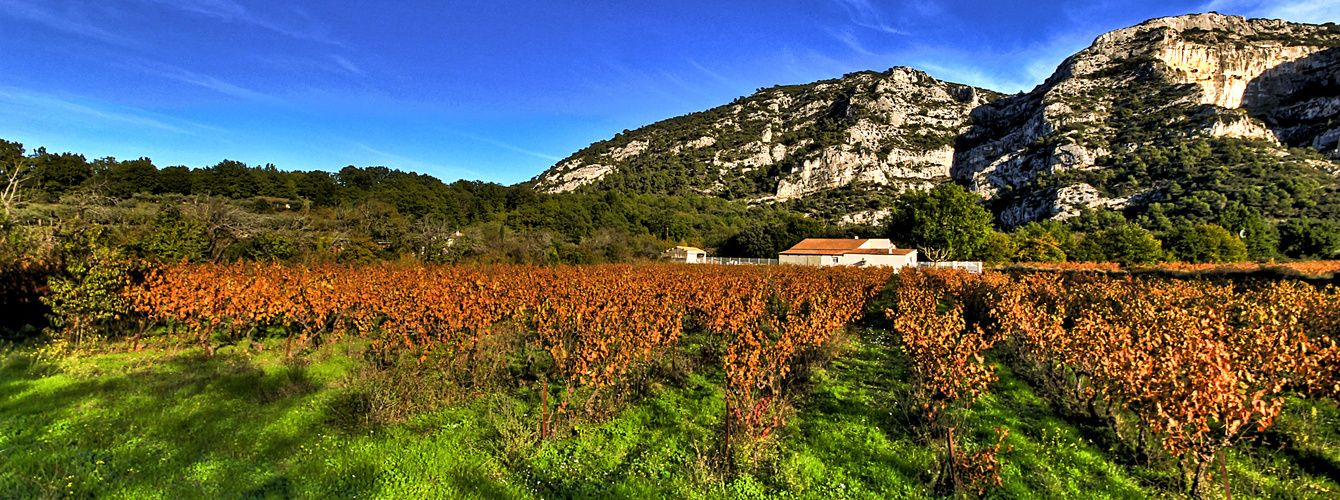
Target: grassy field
[[172, 423]]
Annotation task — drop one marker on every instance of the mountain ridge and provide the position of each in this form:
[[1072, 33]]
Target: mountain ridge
[[1158, 84]]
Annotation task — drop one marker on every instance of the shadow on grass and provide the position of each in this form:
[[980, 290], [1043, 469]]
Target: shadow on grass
[[1307, 459], [181, 426], [1314, 463], [852, 421]]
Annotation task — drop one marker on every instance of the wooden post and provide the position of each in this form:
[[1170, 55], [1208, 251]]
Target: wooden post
[[544, 410], [953, 463]]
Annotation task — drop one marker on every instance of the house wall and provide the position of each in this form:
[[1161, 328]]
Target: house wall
[[877, 243], [801, 260], [682, 255], [853, 259], [891, 260]]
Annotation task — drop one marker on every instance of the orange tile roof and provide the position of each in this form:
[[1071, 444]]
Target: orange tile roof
[[840, 246], [815, 252], [826, 244], [857, 251], [881, 251]]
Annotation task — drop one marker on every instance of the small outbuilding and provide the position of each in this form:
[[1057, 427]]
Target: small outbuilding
[[691, 255], [844, 252]]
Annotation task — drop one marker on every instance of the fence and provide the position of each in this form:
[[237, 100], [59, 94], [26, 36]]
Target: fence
[[741, 260], [972, 267]]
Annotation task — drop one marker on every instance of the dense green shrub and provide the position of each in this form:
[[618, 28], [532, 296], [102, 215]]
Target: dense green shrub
[[945, 223], [1128, 244], [1309, 238], [1204, 243]]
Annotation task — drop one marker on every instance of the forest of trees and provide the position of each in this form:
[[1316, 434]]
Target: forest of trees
[[232, 211]]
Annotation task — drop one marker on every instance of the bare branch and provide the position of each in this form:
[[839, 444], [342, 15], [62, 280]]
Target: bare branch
[[16, 173]]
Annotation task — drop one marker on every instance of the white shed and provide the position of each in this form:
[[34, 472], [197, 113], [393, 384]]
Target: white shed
[[691, 255]]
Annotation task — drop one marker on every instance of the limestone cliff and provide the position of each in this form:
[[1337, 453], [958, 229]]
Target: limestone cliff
[[894, 128], [1041, 154], [1160, 83]]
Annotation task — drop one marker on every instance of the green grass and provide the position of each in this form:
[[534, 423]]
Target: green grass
[[175, 424]]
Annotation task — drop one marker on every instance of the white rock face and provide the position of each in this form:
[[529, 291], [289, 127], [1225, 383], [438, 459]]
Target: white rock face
[[699, 143], [1061, 204], [1223, 72], [835, 167], [1317, 108], [759, 155], [575, 175], [1205, 75], [1243, 129], [893, 128], [1329, 140], [628, 151], [1230, 60], [868, 217], [1070, 198], [1068, 156]]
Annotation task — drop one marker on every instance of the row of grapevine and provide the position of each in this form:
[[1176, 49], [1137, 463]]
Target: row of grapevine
[[596, 322], [1196, 365], [1193, 365], [938, 317]]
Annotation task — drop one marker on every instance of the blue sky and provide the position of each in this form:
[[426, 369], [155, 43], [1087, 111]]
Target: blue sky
[[495, 91]]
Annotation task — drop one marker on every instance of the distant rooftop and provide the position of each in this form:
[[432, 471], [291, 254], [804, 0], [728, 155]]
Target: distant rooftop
[[840, 246]]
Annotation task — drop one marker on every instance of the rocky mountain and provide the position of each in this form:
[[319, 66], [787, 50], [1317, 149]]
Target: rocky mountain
[[1173, 113], [1161, 84], [895, 128]]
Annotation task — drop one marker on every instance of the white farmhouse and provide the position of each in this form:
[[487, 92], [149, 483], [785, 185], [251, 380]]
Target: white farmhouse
[[691, 255], [844, 252]]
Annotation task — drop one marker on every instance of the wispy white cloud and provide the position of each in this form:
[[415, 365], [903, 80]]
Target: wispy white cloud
[[728, 82], [623, 79], [507, 146], [344, 63], [1017, 70], [232, 11], [1300, 11], [186, 76], [667, 76], [75, 19], [330, 63], [966, 74], [68, 21], [926, 8], [100, 113], [1003, 68], [865, 14], [807, 65], [851, 41]]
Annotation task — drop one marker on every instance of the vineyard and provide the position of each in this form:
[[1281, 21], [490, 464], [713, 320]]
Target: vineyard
[[1189, 366], [1187, 380], [1311, 268], [597, 324]]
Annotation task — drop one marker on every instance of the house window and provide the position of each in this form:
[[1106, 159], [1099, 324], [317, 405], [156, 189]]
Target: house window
[[835, 259]]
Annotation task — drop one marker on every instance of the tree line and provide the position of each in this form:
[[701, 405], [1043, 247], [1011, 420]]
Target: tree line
[[233, 211]]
